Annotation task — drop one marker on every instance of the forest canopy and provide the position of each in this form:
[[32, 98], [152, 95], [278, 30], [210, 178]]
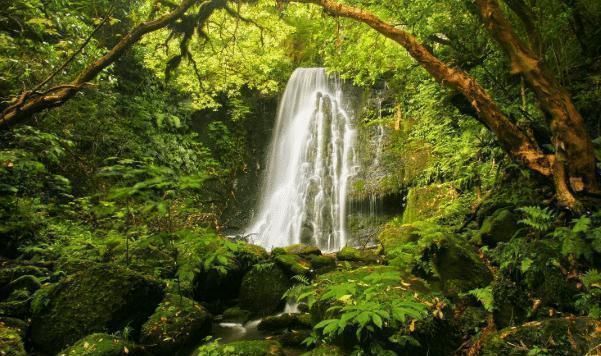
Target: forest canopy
[[135, 142]]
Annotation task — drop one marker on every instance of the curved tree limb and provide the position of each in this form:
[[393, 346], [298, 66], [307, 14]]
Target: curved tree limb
[[574, 158], [28, 103], [517, 143]]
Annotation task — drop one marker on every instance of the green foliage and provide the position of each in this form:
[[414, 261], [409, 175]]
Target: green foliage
[[589, 302], [364, 303], [537, 218], [484, 296], [583, 239]]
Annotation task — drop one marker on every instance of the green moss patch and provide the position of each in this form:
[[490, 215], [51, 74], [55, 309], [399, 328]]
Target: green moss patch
[[177, 324], [102, 297]]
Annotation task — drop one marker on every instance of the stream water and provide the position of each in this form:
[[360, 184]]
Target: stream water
[[311, 160]]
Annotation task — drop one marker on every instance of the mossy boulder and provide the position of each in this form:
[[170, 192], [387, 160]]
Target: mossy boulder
[[393, 235], [511, 302], [352, 254], [293, 264], [252, 348], [322, 263], [286, 321], [559, 336], [218, 285], [236, 315], [293, 338], [325, 350], [101, 298], [11, 341], [458, 267], [101, 344], [175, 326], [426, 202], [303, 250], [501, 226], [263, 287], [155, 260], [17, 306], [20, 276]]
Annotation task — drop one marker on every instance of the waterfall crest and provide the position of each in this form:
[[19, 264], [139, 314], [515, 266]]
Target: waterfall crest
[[311, 160]]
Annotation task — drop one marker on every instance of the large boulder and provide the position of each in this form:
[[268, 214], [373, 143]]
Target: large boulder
[[303, 250], [501, 226], [458, 267], [286, 321], [216, 285], [100, 298], [176, 325], [263, 287], [11, 341], [559, 336], [352, 254], [101, 344], [251, 348], [325, 350], [293, 264]]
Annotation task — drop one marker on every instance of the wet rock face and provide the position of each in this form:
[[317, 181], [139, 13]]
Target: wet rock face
[[262, 289], [175, 326], [559, 336], [501, 226], [100, 298]]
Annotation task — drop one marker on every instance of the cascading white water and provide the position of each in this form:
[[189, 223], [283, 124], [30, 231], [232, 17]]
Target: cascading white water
[[311, 161]]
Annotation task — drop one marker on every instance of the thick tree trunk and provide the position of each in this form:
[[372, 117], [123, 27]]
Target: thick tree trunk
[[518, 144], [575, 159], [29, 103]]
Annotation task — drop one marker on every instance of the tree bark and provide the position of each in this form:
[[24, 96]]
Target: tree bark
[[574, 158], [519, 145], [32, 102]]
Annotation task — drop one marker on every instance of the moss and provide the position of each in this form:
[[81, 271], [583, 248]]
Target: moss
[[293, 264], [102, 297], [155, 260], [302, 250], [499, 227], [236, 315], [11, 342], [11, 273], [27, 282], [393, 235], [355, 255], [325, 350], [293, 338], [15, 308], [176, 324], [427, 202], [459, 267], [218, 286], [511, 302], [560, 336], [262, 289], [286, 321], [252, 348], [323, 264], [102, 345]]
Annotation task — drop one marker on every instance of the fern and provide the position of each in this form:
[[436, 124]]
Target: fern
[[484, 296], [537, 218]]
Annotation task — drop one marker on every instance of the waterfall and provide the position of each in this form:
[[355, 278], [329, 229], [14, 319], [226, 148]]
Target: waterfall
[[311, 160]]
